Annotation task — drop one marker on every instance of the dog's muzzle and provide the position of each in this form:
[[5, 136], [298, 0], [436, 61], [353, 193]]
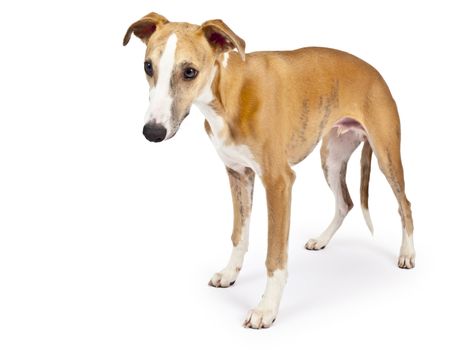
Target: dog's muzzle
[[154, 132]]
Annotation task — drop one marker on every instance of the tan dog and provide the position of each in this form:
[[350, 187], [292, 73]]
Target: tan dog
[[266, 111]]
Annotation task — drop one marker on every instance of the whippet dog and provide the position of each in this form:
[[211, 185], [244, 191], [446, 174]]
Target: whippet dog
[[265, 112]]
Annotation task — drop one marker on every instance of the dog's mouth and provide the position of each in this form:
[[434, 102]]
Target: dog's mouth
[[172, 134], [176, 127]]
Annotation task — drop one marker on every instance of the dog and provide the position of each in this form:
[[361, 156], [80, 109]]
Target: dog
[[265, 112]]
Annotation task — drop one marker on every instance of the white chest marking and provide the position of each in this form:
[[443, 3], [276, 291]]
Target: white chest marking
[[236, 157]]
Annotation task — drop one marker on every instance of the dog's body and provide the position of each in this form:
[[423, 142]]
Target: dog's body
[[266, 111]]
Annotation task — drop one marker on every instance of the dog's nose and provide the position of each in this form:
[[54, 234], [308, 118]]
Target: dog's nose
[[154, 132]]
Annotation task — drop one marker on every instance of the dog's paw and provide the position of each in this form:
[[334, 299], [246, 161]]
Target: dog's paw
[[407, 252], [224, 279], [406, 261], [260, 317], [316, 244]]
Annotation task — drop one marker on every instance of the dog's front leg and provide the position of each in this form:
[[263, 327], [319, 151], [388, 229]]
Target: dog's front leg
[[241, 185], [278, 193]]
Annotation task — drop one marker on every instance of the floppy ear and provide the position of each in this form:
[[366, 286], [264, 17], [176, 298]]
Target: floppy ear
[[222, 38], [144, 28]]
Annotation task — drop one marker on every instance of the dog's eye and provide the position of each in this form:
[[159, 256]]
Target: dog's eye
[[148, 68], [190, 73]]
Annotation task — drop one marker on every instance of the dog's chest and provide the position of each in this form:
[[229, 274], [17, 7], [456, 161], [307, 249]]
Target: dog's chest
[[236, 157]]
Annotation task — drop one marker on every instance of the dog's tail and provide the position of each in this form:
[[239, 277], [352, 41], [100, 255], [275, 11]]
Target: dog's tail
[[365, 164]]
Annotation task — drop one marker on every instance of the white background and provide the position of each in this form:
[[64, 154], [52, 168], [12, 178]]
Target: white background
[[108, 241]]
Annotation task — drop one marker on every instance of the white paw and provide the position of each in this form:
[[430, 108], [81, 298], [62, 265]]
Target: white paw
[[407, 252], [407, 261], [260, 318], [225, 278], [316, 244]]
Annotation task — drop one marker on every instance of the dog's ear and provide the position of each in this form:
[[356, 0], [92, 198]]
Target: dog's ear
[[222, 38], [144, 28]]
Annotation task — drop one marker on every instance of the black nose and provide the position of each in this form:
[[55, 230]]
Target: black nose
[[154, 132]]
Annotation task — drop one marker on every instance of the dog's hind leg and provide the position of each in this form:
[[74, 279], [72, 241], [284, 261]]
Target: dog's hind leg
[[386, 147], [384, 134], [241, 185], [389, 160], [336, 149]]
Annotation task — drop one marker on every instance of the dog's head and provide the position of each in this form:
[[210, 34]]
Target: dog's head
[[179, 64]]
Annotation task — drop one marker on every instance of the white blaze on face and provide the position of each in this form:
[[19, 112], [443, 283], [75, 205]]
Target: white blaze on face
[[160, 100]]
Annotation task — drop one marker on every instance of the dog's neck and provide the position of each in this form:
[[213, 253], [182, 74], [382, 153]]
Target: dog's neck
[[219, 100]]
